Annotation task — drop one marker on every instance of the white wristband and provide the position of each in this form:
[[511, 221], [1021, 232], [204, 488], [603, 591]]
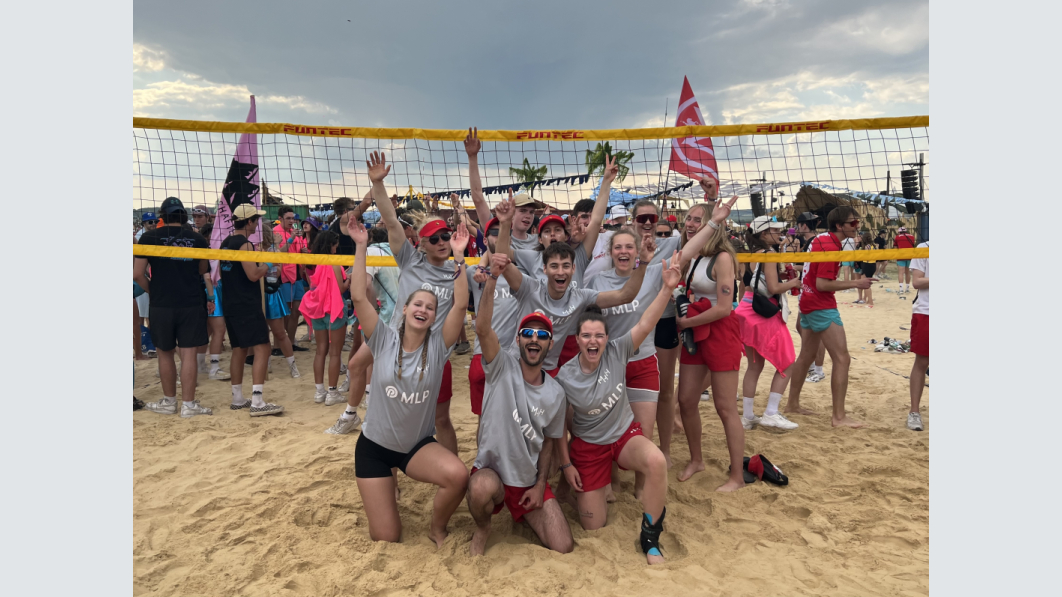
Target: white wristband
[[713, 225]]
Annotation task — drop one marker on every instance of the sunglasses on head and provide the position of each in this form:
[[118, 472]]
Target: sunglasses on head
[[434, 239], [532, 332], [642, 219]]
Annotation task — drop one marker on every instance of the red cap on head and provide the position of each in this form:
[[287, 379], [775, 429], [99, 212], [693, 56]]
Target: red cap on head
[[550, 218], [537, 316], [672, 219], [432, 227], [491, 222]]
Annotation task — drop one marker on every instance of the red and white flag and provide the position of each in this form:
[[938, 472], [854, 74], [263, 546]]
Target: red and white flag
[[692, 156]]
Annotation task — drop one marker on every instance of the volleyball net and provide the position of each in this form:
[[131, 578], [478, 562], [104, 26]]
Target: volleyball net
[[877, 166]]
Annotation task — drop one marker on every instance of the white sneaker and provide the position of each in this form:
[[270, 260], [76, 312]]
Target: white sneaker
[[748, 424], [344, 426], [319, 397], [266, 409], [194, 409], [294, 369], [706, 396], [334, 397], [914, 421], [778, 422], [342, 368], [220, 375], [815, 377], [163, 408], [345, 386]]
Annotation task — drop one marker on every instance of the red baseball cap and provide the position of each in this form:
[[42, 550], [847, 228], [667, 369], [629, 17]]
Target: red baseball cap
[[536, 316], [672, 219], [551, 218], [432, 227], [491, 222]]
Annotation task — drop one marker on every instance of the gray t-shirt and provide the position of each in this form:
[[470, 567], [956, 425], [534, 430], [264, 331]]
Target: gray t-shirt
[[664, 249], [530, 263], [599, 398], [416, 273], [530, 243], [505, 317], [517, 417], [563, 313], [622, 318], [402, 411]]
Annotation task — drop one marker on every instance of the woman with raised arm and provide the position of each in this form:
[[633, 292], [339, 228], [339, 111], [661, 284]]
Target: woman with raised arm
[[323, 308], [603, 425], [718, 356], [398, 428], [765, 338], [422, 267]]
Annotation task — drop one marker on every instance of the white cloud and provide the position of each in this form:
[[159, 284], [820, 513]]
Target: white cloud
[[191, 92], [147, 60], [888, 30]]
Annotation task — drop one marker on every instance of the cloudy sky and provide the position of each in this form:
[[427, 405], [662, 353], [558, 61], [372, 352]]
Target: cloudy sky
[[546, 64]]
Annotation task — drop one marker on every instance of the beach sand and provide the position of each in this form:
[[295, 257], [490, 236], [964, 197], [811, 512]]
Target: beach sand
[[229, 505]]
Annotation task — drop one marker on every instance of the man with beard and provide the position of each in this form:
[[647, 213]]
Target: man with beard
[[524, 415]]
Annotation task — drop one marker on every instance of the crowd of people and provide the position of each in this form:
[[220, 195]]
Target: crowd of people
[[579, 322]]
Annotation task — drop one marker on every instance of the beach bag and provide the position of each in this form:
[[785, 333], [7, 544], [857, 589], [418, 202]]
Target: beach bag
[[761, 304]]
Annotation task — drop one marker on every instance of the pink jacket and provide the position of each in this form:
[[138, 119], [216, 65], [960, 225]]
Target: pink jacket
[[323, 299]]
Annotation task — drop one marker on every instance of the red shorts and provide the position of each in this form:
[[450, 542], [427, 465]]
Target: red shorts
[[594, 462], [920, 334], [477, 380], [446, 390], [643, 380], [722, 350], [512, 498]]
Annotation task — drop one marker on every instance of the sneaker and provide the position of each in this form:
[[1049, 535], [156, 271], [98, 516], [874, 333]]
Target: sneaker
[[220, 375], [859, 302], [319, 397], [748, 424], [811, 369], [334, 397], [344, 426], [305, 338], [914, 421], [342, 368], [266, 409], [163, 408], [706, 396], [276, 353], [137, 403], [778, 422], [246, 404], [345, 386], [815, 377], [188, 412], [462, 348], [298, 348], [294, 369]]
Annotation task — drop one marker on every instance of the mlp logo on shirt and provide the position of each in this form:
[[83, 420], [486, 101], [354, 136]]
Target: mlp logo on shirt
[[410, 398], [442, 293], [611, 401]]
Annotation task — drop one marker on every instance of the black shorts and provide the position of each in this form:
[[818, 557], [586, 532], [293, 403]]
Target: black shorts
[[869, 268], [373, 461], [246, 327], [471, 302], [173, 327], [666, 333]]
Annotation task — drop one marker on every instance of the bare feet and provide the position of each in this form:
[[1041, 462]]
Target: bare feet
[[691, 469], [479, 541], [439, 536], [667, 459], [654, 559], [610, 496], [798, 410], [731, 485], [846, 421], [678, 425]]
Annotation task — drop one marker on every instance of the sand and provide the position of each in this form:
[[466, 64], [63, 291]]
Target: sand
[[229, 505]]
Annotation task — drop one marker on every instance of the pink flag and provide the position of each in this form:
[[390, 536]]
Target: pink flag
[[241, 186], [692, 156]]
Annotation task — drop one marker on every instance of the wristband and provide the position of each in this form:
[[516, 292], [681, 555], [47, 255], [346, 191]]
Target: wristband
[[713, 225], [491, 275], [564, 466]]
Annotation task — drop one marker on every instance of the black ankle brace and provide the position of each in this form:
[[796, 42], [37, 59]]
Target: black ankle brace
[[650, 538]]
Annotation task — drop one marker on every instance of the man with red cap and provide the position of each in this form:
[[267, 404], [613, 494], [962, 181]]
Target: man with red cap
[[523, 420], [903, 240]]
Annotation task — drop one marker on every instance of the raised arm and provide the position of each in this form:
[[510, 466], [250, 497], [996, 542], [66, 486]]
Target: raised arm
[[505, 210], [378, 170], [455, 319], [720, 212], [367, 315], [647, 324], [600, 205], [488, 339], [475, 184], [624, 295], [363, 207]]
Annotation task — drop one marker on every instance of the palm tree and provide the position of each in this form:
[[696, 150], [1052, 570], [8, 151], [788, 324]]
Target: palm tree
[[595, 159], [529, 174]]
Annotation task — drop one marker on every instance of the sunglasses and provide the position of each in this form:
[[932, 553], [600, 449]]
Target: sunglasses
[[853, 223], [642, 219], [434, 239], [532, 332], [663, 234], [493, 232]]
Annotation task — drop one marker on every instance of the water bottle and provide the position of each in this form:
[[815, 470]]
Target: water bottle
[[682, 303]]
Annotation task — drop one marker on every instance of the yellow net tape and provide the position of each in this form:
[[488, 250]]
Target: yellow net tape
[[726, 130], [346, 260]]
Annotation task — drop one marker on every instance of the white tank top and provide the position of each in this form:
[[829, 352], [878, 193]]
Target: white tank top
[[700, 285]]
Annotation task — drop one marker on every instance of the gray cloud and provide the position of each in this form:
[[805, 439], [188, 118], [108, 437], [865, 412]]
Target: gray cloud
[[518, 65]]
